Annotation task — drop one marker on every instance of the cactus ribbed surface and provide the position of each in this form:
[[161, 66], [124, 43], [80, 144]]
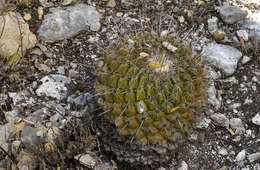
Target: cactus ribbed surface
[[151, 88]]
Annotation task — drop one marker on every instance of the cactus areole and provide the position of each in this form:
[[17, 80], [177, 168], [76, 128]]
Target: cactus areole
[[151, 88]]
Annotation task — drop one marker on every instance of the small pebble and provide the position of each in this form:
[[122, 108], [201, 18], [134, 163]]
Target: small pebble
[[256, 119], [241, 156], [40, 12], [181, 19], [201, 3], [223, 151], [245, 59], [119, 14], [111, 4], [27, 17]]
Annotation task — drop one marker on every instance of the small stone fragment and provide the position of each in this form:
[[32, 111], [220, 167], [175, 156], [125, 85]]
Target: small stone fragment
[[213, 97], [119, 14], [213, 24], [67, 2], [43, 67], [256, 119], [203, 124], [220, 120], [164, 33], [127, 3], [111, 3], [232, 14], [27, 17], [169, 46], [253, 157], [183, 166], [241, 156], [237, 126], [221, 56], [245, 59], [86, 160], [223, 151], [40, 12], [190, 13], [242, 34], [181, 19], [5, 131]]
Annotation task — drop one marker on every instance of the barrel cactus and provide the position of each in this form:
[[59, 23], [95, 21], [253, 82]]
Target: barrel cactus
[[151, 88]]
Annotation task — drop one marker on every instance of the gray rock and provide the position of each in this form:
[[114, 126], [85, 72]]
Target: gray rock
[[223, 151], [56, 117], [39, 115], [183, 166], [211, 73], [242, 34], [5, 131], [253, 157], [253, 28], [78, 99], [213, 98], [241, 156], [13, 116], [232, 14], [55, 86], [237, 125], [87, 160], [220, 120], [203, 124], [22, 98], [245, 59], [127, 3], [213, 24], [61, 70], [221, 56], [256, 119], [66, 22], [29, 136]]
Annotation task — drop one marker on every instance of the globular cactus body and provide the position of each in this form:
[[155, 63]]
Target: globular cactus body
[[151, 88]]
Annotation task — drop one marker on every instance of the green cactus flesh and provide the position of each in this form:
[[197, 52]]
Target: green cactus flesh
[[154, 98]]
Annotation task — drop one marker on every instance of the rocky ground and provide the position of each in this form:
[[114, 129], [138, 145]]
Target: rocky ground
[[46, 80]]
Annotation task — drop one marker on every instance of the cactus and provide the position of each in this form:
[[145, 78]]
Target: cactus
[[151, 88]]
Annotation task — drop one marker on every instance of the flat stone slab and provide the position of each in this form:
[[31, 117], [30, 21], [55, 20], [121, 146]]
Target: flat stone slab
[[223, 57], [62, 23]]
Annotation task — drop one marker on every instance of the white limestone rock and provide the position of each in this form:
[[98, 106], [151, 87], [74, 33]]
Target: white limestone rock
[[256, 119], [55, 86], [223, 57]]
